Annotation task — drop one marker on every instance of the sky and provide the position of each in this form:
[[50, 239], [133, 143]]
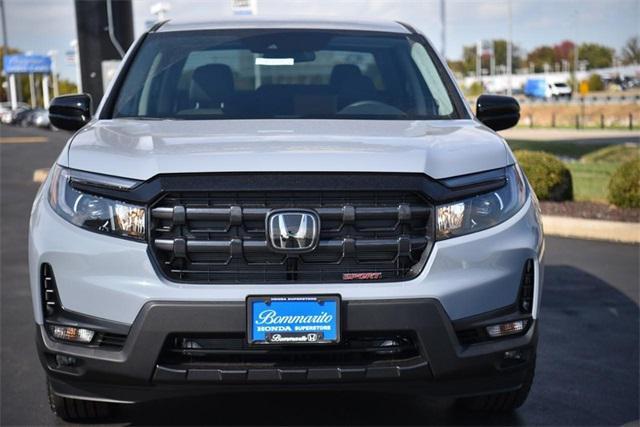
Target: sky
[[43, 25]]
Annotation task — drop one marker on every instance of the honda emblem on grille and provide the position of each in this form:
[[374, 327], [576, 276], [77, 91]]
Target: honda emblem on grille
[[293, 230]]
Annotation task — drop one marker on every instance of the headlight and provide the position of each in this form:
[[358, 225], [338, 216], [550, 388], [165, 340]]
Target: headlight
[[482, 211], [94, 212]]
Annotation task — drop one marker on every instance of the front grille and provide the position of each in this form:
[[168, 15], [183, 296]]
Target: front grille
[[199, 351], [220, 237]]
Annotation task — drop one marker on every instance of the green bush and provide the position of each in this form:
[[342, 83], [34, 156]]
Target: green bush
[[549, 177], [624, 187], [475, 89], [615, 153], [595, 82]]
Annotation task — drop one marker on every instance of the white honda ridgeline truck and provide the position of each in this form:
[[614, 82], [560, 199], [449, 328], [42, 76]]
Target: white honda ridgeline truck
[[260, 205]]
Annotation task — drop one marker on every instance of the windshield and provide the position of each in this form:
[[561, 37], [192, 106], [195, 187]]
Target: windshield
[[259, 74]]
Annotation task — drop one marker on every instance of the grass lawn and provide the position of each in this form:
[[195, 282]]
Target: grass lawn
[[570, 149], [597, 163], [591, 180]]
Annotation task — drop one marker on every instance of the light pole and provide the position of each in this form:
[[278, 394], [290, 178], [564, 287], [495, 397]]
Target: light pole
[[11, 80], [509, 49], [5, 42], [576, 83]]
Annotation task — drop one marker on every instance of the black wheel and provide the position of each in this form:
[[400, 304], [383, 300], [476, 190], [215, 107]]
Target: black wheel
[[500, 402], [75, 409]]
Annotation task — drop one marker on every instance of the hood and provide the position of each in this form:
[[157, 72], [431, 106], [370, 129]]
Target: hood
[[140, 149]]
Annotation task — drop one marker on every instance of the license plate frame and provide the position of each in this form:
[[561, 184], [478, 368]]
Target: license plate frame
[[294, 305]]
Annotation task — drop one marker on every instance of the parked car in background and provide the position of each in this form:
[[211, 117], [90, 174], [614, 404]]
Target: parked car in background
[[38, 117], [6, 106], [544, 89], [10, 117], [21, 117]]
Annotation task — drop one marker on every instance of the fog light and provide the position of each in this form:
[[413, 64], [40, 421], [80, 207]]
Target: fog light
[[69, 333], [66, 360], [508, 328], [513, 355]]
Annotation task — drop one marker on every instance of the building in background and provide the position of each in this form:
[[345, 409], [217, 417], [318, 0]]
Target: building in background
[[105, 32]]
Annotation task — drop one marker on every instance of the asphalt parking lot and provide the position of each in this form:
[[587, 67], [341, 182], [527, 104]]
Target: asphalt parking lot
[[588, 363]]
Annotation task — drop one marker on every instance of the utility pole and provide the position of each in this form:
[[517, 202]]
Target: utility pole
[[5, 42], [576, 83], [509, 50], [11, 80], [576, 63], [443, 27]]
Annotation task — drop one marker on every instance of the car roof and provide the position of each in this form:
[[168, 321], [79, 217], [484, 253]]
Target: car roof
[[278, 23]]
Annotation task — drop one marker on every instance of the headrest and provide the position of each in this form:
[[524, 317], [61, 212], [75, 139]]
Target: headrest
[[343, 74], [211, 85]]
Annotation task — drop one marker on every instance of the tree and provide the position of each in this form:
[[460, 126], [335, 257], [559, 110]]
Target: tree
[[67, 87], [595, 82], [456, 66], [540, 56], [469, 59], [564, 51], [631, 51], [597, 55], [500, 52]]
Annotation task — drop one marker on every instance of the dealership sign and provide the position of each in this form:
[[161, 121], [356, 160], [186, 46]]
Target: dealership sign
[[244, 7], [14, 64]]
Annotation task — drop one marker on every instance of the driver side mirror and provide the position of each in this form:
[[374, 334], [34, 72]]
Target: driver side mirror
[[70, 112], [498, 112]]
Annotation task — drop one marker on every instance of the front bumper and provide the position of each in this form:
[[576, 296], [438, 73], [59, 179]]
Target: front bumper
[[442, 367], [112, 279]]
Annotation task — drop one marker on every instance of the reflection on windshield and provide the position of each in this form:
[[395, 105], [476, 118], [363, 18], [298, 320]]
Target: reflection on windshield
[[251, 74]]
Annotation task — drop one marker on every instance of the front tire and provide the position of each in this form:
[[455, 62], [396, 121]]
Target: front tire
[[501, 402], [75, 409]]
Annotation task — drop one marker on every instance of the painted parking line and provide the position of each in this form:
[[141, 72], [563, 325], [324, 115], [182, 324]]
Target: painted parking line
[[40, 175], [22, 139]]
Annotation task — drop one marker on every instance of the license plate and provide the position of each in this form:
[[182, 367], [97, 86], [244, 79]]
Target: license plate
[[293, 319]]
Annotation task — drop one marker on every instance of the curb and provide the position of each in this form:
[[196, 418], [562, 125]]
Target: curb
[[593, 229]]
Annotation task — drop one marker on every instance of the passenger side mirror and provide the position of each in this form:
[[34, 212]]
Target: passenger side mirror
[[70, 112], [498, 112]]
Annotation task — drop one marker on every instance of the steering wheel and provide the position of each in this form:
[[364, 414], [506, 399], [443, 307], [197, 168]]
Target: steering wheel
[[373, 108]]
